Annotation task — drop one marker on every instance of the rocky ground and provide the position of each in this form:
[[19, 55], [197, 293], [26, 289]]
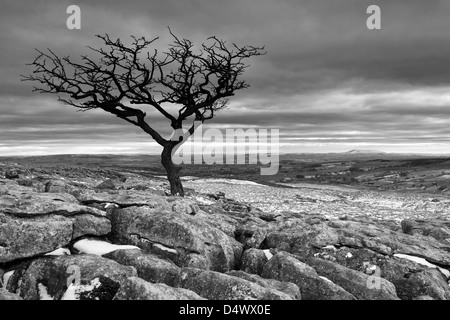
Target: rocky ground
[[98, 234], [328, 200]]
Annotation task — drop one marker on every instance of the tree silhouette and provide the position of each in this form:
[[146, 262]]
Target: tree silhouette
[[199, 81]]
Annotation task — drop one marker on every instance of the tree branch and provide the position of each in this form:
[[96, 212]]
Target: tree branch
[[198, 81]]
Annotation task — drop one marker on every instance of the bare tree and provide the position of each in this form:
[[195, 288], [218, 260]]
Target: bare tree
[[198, 80]]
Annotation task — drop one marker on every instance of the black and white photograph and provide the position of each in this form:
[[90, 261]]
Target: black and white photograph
[[226, 151]]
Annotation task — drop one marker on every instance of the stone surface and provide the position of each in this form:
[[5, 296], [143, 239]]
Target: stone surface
[[305, 239], [251, 237], [413, 280], [33, 204], [123, 198], [185, 206], [284, 267], [11, 174], [34, 223], [107, 184], [22, 238], [86, 224], [186, 234], [357, 283], [423, 298], [54, 273], [149, 267], [59, 186], [436, 228], [35, 184], [6, 295], [326, 200], [219, 286], [138, 289], [334, 234], [253, 261], [287, 287]]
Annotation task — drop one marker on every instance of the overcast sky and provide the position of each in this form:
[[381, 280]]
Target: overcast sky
[[328, 83]]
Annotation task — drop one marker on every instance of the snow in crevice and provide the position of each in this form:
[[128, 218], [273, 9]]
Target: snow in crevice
[[43, 293], [228, 181], [329, 247], [59, 252], [204, 201], [6, 277], [268, 254], [326, 279], [423, 262], [98, 247], [164, 248], [109, 204], [74, 290]]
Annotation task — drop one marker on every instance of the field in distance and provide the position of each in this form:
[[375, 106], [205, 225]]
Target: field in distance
[[373, 170]]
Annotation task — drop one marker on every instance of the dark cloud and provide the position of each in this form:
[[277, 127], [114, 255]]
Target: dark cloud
[[326, 81]]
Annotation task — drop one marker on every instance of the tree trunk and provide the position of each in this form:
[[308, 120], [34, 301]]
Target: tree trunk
[[173, 172]]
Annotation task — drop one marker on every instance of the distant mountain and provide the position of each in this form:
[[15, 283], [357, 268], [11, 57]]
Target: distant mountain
[[359, 151]]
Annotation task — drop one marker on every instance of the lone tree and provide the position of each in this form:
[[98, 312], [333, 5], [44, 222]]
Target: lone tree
[[199, 81]]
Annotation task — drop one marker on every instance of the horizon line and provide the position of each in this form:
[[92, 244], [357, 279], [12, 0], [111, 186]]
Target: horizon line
[[224, 154]]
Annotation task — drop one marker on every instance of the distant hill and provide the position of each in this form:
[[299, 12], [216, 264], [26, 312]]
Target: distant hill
[[153, 162], [359, 151]]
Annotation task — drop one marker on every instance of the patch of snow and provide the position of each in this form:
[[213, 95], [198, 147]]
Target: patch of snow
[[268, 254], [371, 268], [228, 181], [98, 247], [348, 255], [59, 252], [330, 247], [43, 294], [164, 248], [70, 293], [326, 279], [187, 178], [423, 262], [80, 182], [6, 277], [204, 201], [107, 205], [73, 291]]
